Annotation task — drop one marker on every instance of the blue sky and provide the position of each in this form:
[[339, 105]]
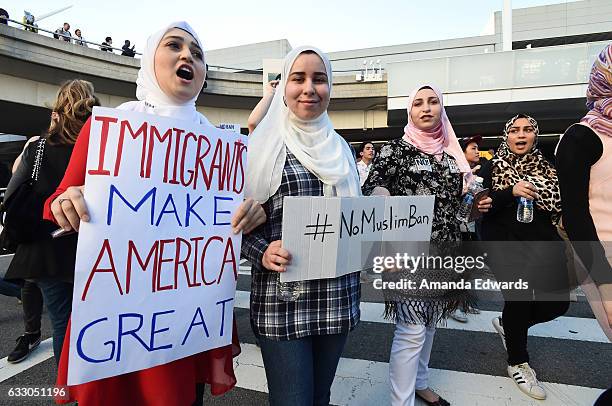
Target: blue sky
[[332, 25]]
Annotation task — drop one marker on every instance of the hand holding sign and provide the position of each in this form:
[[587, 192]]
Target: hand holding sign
[[69, 208], [249, 215], [276, 258]]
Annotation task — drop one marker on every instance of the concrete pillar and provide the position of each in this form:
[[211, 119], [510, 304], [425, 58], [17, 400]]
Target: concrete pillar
[[507, 25]]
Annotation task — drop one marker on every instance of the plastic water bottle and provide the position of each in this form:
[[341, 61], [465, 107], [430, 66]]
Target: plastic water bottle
[[288, 291], [524, 211], [468, 200]]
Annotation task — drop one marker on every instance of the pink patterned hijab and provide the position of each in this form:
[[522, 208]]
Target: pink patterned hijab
[[440, 139], [599, 94]]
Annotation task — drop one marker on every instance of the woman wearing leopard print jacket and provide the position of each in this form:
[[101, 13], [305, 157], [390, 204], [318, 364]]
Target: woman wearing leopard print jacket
[[524, 252]]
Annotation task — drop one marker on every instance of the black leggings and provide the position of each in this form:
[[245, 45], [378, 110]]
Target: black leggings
[[517, 317], [32, 302]]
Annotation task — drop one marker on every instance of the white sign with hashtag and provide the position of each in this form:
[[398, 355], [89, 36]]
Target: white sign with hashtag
[[325, 235]]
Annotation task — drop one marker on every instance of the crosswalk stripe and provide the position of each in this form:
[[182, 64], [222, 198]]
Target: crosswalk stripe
[[565, 328], [364, 382], [5, 260], [361, 382], [40, 354]]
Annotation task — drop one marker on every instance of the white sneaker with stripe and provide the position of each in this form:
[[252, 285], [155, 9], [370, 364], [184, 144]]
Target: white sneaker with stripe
[[526, 380]]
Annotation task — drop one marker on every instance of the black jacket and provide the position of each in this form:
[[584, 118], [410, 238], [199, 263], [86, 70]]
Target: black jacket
[[46, 258], [127, 51], [533, 251]]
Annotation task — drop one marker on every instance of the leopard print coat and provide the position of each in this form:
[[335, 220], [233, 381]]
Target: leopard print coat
[[509, 169]]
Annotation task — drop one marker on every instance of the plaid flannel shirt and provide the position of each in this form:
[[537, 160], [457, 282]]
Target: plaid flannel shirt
[[325, 306]]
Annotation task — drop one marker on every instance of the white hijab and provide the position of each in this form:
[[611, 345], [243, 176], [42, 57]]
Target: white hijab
[[151, 98], [314, 143]]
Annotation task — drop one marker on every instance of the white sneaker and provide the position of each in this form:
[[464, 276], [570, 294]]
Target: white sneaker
[[459, 316], [500, 329], [526, 380]]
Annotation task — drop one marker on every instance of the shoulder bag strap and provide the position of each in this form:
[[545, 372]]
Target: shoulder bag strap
[[40, 149]]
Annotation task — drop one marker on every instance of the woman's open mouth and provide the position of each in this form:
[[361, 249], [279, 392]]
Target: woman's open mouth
[[185, 72]]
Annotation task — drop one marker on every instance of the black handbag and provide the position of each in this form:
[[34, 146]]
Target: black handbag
[[21, 212]]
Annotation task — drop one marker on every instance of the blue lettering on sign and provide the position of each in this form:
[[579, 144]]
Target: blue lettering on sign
[[80, 344], [186, 212], [190, 210], [154, 332], [169, 199], [222, 303], [217, 198], [131, 332], [114, 190], [201, 322]]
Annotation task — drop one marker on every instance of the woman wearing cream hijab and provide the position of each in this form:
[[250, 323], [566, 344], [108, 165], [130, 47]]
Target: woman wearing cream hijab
[[294, 151]]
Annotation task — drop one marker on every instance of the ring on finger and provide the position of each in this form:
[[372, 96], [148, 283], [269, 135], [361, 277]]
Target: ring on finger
[[62, 200]]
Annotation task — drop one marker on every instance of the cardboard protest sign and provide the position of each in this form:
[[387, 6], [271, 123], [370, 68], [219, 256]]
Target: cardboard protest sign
[[229, 127], [271, 69], [157, 264], [325, 235]]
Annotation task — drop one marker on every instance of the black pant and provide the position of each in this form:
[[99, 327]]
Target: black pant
[[32, 302], [518, 316]]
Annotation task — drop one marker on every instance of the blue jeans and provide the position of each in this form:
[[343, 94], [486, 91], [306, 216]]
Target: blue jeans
[[58, 299], [10, 289], [300, 372]]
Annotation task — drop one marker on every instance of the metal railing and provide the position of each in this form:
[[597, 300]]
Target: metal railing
[[67, 38], [229, 69], [218, 68]]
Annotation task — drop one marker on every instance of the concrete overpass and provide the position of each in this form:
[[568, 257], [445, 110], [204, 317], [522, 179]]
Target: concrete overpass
[[33, 65], [482, 89]]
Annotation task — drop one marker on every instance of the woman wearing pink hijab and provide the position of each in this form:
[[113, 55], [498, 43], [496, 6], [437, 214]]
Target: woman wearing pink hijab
[[427, 160]]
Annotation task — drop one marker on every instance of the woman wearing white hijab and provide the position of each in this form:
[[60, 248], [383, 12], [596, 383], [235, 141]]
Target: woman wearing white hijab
[[295, 151], [169, 81]]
